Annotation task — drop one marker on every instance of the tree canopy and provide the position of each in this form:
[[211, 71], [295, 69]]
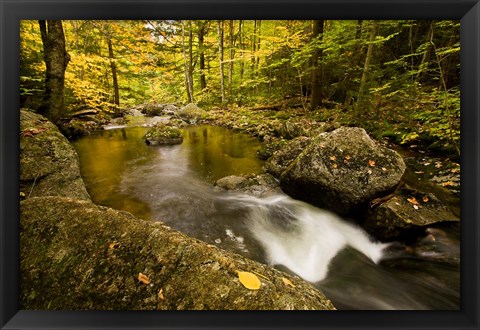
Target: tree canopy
[[363, 71]]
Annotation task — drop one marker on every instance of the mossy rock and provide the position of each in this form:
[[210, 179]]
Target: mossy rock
[[162, 134], [76, 255], [191, 113], [49, 165], [267, 149]]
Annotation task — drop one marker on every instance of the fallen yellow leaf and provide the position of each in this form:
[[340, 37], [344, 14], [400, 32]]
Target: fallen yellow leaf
[[448, 184], [412, 200], [332, 158], [286, 281], [347, 157], [113, 245], [334, 165], [425, 199], [371, 163], [260, 275], [249, 280], [160, 294], [143, 278]]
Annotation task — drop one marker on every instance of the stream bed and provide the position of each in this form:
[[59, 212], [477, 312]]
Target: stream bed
[[174, 184]]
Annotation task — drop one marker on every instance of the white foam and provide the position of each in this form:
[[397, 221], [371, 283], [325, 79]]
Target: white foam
[[304, 238]]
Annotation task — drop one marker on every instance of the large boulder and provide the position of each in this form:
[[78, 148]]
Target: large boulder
[[162, 134], [76, 255], [406, 212], [283, 157], [342, 171], [49, 165]]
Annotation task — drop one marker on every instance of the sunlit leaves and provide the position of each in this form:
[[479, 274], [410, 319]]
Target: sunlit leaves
[[249, 280]]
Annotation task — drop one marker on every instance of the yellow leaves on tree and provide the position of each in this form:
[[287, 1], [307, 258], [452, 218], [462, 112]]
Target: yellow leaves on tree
[[249, 280]]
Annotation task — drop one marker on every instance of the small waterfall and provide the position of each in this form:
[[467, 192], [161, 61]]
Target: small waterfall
[[301, 237]]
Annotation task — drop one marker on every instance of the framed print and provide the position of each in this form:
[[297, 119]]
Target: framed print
[[239, 164]]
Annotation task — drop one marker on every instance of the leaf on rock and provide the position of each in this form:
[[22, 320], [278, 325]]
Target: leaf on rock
[[32, 131], [412, 200], [371, 163], [143, 278], [287, 282], [249, 280], [160, 294], [113, 245], [448, 184]]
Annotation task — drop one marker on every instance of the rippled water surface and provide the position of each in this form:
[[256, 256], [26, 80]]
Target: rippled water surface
[[174, 184]]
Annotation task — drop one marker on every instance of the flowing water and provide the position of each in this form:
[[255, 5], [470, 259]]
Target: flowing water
[[174, 184]]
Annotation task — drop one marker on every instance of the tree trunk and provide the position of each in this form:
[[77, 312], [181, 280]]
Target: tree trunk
[[220, 58], [186, 67], [422, 68], [354, 61], [114, 76], [240, 36], [316, 96], [368, 58], [201, 37], [254, 48], [257, 61], [231, 45], [56, 60], [190, 59]]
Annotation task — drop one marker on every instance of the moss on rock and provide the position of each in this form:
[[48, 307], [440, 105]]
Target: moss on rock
[[49, 165], [161, 134], [77, 255]]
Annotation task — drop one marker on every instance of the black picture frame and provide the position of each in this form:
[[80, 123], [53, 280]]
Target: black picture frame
[[12, 11]]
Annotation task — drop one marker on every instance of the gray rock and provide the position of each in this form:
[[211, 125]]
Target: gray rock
[[231, 182], [409, 210], [49, 165], [256, 185], [342, 171]]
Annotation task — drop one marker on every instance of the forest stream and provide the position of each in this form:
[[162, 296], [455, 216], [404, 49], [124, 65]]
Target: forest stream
[[175, 184]]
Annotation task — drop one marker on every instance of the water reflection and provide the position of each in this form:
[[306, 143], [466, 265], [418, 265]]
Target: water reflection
[[122, 172]]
